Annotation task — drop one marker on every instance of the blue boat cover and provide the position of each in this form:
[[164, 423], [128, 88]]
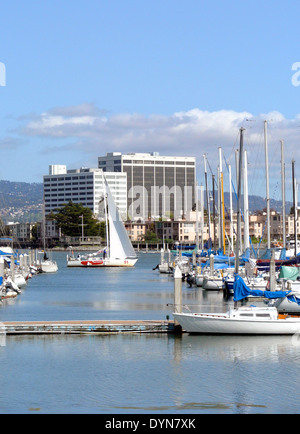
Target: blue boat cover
[[267, 254], [222, 266], [245, 256], [241, 291], [283, 254]]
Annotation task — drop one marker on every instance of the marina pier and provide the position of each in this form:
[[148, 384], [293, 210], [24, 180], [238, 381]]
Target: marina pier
[[86, 327]]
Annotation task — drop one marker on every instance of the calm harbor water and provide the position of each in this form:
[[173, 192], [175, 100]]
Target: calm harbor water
[[137, 374]]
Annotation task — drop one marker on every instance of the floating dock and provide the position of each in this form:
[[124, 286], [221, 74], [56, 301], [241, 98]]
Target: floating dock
[[86, 327]]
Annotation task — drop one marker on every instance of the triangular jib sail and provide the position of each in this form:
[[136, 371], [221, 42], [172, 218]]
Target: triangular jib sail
[[120, 246]]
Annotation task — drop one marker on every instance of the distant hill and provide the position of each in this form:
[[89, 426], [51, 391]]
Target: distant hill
[[22, 202], [257, 203]]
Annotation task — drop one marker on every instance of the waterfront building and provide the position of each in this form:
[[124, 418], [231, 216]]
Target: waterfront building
[[83, 186], [157, 186], [20, 231]]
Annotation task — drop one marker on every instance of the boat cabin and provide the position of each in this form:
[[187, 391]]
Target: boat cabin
[[254, 312]]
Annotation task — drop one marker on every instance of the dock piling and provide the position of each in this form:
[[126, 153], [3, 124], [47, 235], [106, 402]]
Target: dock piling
[[177, 295]]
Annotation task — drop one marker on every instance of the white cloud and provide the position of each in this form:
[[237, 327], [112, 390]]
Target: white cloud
[[190, 133]]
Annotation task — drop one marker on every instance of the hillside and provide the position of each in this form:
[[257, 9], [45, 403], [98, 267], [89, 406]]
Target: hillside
[[257, 203], [22, 202]]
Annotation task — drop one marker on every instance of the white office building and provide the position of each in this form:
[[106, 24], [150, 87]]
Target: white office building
[[157, 186], [83, 186]]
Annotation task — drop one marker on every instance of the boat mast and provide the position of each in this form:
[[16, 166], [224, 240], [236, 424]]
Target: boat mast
[[231, 217], [44, 225], [295, 205], [105, 213], [219, 210], [241, 151], [207, 195], [267, 182], [214, 209], [197, 216], [222, 206], [238, 173], [283, 194], [202, 214], [246, 203]]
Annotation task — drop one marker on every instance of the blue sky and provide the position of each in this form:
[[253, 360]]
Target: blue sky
[[88, 77]]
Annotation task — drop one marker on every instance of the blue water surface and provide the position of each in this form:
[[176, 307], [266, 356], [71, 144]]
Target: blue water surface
[[140, 373]]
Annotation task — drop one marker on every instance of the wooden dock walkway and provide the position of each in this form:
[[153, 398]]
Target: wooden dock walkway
[[86, 327]]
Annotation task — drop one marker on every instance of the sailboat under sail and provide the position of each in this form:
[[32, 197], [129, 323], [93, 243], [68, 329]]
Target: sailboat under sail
[[119, 251]]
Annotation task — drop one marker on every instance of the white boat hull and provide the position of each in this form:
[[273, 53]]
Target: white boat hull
[[199, 280], [49, 267], [284, 305], [165, 268], [212, 284], [92, 263], [218, 324], [20, 280]]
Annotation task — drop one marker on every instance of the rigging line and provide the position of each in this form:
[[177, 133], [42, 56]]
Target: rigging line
[[242, 214], [209, 166], [234, 147], [256, 166]]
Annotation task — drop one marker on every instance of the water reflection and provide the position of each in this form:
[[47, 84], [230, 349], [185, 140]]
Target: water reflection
[[137, 373], [241, 373]]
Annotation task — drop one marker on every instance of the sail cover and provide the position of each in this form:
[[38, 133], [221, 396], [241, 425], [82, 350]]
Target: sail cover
[[242, 291], [290, 273], [120, 246]]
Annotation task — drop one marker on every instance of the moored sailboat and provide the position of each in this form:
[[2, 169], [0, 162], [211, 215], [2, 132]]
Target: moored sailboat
[[47, 265], [119, 251], [244, 320]]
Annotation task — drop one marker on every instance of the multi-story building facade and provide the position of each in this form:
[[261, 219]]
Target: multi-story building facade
[[157, 186], [20, 231], [83, 186]]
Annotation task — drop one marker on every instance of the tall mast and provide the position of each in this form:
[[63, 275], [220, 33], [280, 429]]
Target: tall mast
[[222, 210], [207, 195], [214, 209], [202, 214], [241, 151], [105, 212], [283, 194], [197, 215], [295, 205], [246, 203], [238, 174], [44, 224], [267, 183], [231, 216], [219, 210]]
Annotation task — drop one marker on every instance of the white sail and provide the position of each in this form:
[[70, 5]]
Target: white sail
[[120, 246], [119, 251]]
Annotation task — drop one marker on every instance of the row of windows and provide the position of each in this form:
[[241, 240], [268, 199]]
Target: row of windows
[[68, 178], [67, 189], [170, 163], [60, 202], [62, 184]]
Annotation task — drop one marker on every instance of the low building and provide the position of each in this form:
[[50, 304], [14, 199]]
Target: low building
[[20, 231]]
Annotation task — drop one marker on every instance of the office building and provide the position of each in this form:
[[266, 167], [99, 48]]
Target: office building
[[83, 186], [157, 186]]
